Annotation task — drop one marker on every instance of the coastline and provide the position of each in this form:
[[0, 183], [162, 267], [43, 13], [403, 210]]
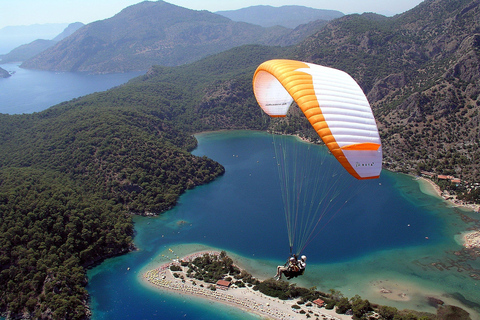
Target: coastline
[[435, 190], [469, 239], [244, 298]]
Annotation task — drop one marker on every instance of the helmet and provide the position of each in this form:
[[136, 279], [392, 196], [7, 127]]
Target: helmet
[[304, 258]]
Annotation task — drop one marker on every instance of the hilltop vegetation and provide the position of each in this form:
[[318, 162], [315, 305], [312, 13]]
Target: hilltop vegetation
[[70, 176], [67, 192]]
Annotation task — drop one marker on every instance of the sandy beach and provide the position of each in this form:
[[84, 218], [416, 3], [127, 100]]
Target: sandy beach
[[435, 190], [244, 298]]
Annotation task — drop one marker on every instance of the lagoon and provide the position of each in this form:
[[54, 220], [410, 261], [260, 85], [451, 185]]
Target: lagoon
[[393, 234]]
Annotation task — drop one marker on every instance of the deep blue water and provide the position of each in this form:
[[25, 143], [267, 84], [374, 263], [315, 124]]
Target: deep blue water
[[247, 199], [241, 213], [28, 91]]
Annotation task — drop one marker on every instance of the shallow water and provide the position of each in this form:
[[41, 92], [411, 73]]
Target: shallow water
[[388, 235]]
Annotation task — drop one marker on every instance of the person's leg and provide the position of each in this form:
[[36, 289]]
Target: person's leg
[[278, 272]]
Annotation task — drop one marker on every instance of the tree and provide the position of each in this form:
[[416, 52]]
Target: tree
[[388, 313], [360, 307], [343, 305], [336, 294]]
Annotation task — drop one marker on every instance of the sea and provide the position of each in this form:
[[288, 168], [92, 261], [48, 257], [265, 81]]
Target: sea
[[29, 91], [395, 242]]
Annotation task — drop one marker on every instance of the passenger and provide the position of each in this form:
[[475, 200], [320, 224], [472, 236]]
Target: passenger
[[291, 264], [302, 263]]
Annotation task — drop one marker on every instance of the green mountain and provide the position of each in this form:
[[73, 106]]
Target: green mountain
[[71, 176], [150, 33], [286, 16]]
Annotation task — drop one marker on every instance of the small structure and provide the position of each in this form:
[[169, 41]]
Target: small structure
[[223, 284], [319, 302], [444, 177], [428, 174]]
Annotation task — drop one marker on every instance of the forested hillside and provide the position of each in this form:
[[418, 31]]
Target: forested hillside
[[108, 155], [421, 72], [71, 176], [50, 230]]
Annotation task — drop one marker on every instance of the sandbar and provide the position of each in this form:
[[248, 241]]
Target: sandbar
[[391, 290], [244, 298]]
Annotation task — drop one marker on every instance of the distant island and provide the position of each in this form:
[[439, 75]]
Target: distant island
[[4, 73]]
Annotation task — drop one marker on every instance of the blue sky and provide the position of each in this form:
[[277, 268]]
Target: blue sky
[[27, 12]]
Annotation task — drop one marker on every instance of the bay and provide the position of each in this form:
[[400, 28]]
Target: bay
[[28, 91], [392, 234]]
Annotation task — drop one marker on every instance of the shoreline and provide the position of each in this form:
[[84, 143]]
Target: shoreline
[[244, 298], [453, 201], [471, 238]]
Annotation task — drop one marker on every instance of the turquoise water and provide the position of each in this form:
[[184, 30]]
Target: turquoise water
[[387, 235]]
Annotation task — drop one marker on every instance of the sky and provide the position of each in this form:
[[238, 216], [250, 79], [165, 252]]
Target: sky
[[28, 12]]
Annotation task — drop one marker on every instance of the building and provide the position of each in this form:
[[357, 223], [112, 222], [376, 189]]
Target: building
[[223, 284], [444, 177], [319, 302]]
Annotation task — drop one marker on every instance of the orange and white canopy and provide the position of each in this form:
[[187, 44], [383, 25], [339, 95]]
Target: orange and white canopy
[[334, 104]]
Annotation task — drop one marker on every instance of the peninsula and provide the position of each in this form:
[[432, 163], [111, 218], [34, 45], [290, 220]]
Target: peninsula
[[238, 288], [212, 275]]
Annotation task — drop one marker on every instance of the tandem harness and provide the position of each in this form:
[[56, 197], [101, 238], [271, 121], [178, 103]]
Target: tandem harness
[[293, 270]]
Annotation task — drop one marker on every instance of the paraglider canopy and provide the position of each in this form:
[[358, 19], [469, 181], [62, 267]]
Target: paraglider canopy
[[334, 104]]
